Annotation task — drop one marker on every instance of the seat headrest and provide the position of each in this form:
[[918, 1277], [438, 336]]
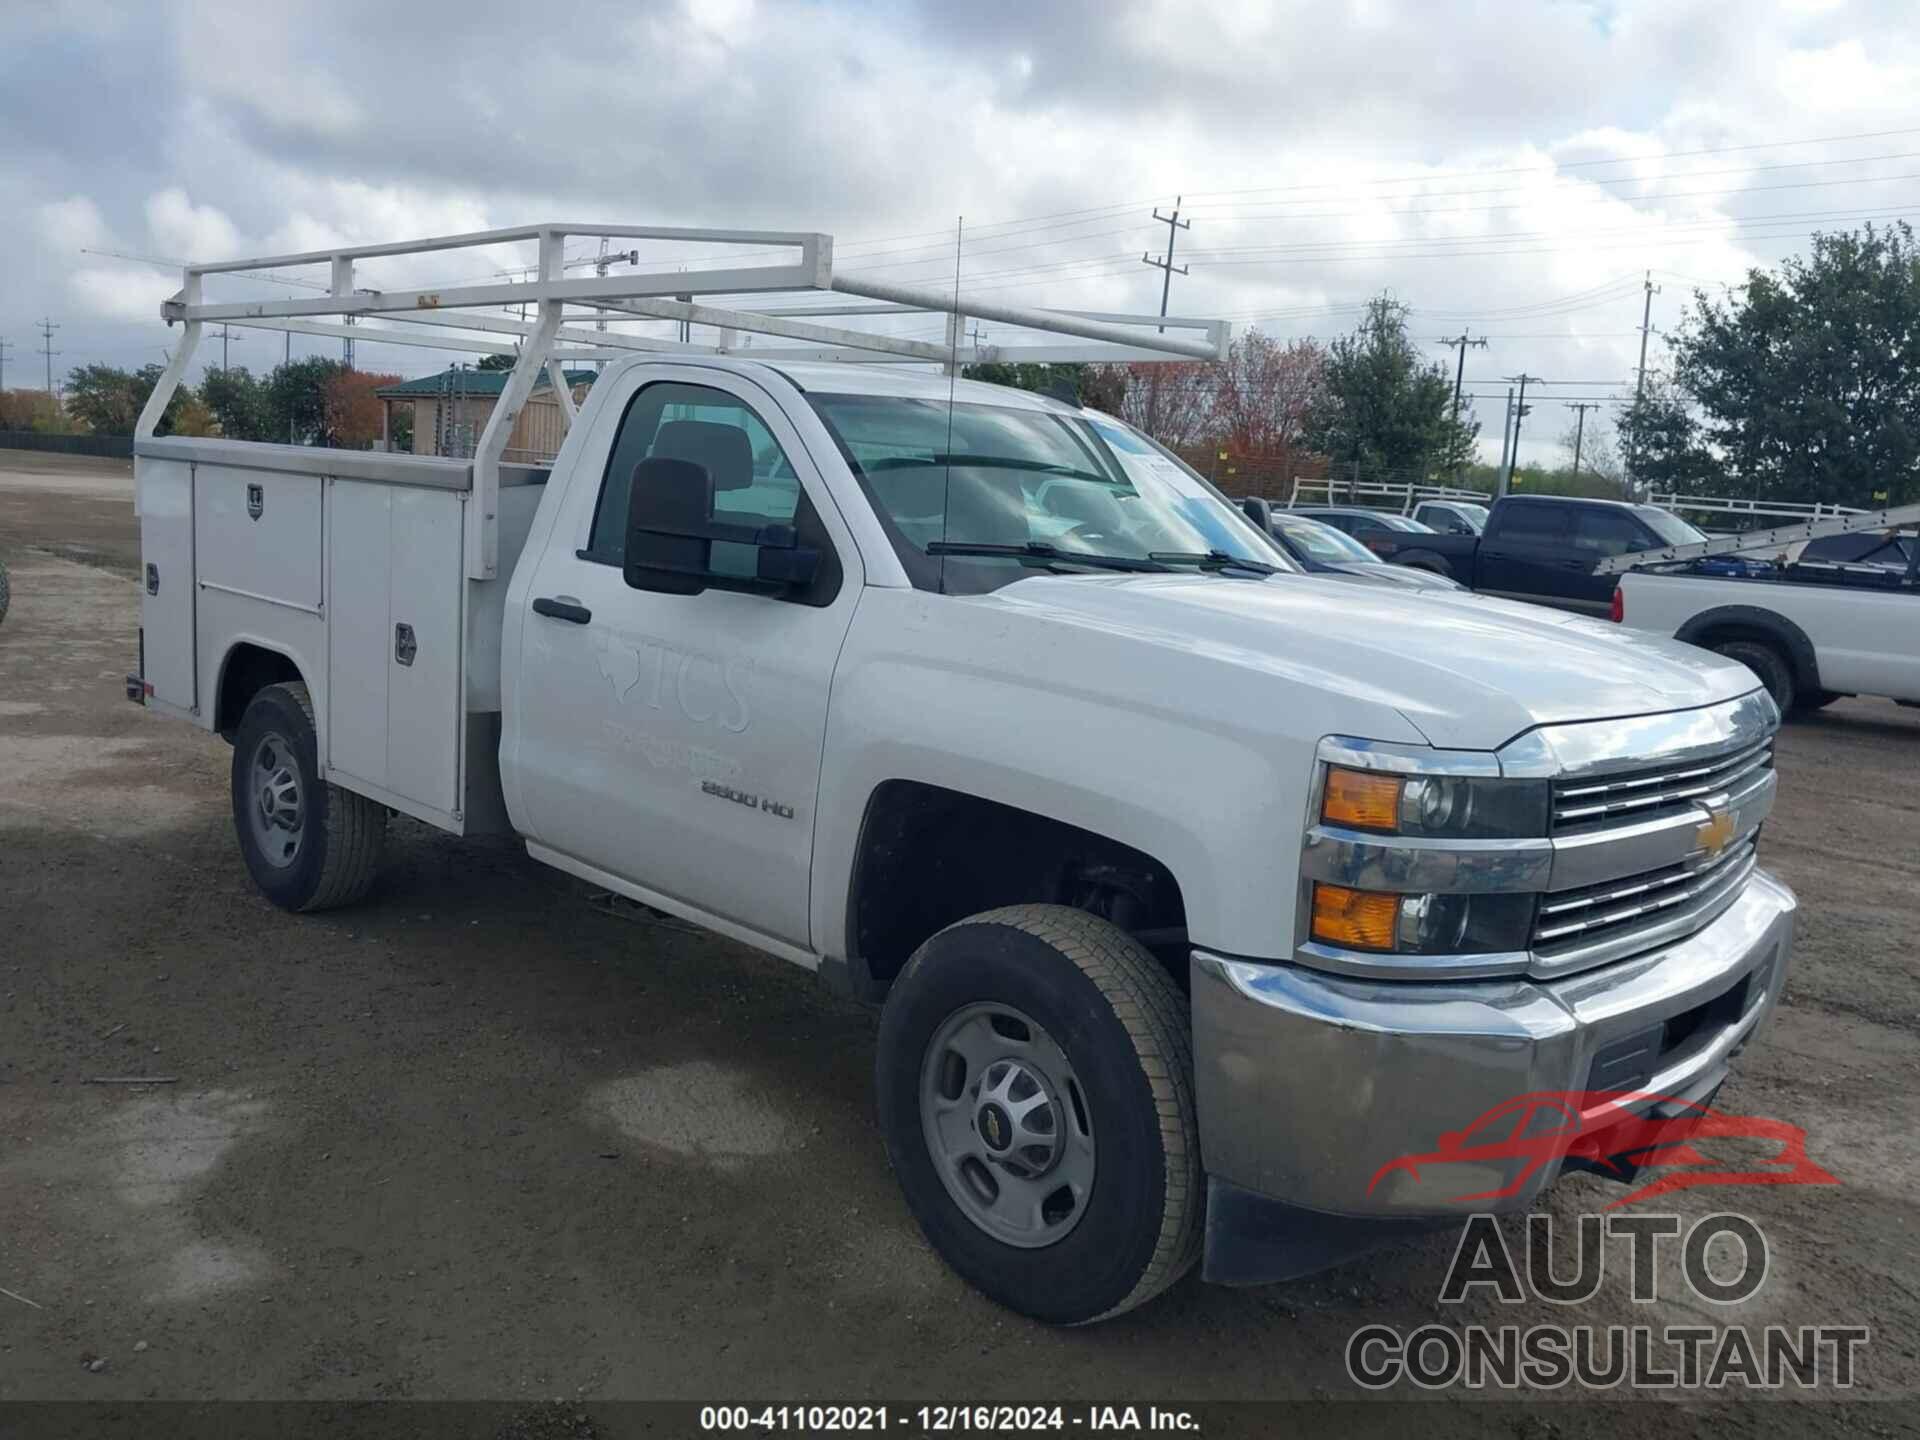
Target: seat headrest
[[724, 450]]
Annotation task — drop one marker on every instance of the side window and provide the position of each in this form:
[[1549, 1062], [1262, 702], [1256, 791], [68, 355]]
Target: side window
[[1531, 524], [753, 482], [1609, 532]]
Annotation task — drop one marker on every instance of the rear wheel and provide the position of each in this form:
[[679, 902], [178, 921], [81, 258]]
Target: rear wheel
[[308, 845], [1767, 663], [1035, 1075]]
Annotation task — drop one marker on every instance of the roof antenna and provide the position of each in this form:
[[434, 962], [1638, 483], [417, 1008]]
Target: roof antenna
[[953, 373]]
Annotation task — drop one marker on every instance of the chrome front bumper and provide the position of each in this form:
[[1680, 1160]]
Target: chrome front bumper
[[1309, 1083]]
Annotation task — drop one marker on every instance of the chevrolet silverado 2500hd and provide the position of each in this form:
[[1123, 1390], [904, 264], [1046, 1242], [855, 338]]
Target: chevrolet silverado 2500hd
[[1193, 889]]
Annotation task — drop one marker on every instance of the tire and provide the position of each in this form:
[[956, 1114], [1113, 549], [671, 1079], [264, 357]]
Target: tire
[[6, 590], [1120, 1023], [331, 856], [1769, 664]]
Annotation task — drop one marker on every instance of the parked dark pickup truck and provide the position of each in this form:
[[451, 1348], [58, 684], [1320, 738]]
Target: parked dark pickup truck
[[1541, 548]]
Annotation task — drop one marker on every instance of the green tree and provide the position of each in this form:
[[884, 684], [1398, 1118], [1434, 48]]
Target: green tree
[[1663, 447], [238, 401], [101, 397], [496, 362], [1809, 383], [1063, 380], [1382, 406], [296, 401], [108, 400]]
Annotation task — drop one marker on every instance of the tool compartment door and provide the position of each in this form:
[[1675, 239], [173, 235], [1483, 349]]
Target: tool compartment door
[[395, 597], [163, 495]]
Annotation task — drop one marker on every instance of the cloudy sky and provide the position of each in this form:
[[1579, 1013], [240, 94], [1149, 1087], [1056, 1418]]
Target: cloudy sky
[[1512, 169]]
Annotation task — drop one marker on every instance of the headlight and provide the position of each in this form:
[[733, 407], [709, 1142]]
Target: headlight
[[1420, 924], [1434, 806]]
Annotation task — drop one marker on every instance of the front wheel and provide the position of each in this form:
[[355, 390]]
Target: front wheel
[[1035, 1076], [308, 845]]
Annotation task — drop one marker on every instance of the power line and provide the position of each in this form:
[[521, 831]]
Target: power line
[[1088, 214]]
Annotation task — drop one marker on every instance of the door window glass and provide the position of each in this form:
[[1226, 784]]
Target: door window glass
[[1532, 524], [753, 482], [1608, 532]]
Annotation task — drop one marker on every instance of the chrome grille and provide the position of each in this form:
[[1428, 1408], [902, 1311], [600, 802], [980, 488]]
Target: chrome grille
[[1587, 804], [1618, 917]]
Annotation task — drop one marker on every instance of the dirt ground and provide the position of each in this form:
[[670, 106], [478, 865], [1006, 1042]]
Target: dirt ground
[[477, 1140]]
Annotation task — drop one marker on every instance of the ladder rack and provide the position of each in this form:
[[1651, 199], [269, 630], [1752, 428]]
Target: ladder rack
[[1761, 539], [467, 316]]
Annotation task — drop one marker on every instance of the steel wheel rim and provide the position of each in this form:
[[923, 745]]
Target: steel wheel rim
[[276, 808], [1007, 1125]]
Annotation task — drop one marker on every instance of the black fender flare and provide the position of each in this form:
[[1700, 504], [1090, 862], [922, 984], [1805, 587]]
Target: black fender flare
[[1752, 619]]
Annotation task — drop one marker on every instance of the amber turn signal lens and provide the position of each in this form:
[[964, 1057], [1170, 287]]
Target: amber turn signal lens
[[1361, 799], [1356, 919]]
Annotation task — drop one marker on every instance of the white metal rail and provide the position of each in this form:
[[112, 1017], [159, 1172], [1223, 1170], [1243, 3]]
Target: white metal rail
[[1780, 535], [454, 317], [1382, 494], [1769, 509]]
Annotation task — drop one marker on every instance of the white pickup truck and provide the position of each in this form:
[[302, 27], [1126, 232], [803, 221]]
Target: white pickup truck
[[1195, 891], [1811, 633]]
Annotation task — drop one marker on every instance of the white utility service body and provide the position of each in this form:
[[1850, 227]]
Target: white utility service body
[[1196, 888]]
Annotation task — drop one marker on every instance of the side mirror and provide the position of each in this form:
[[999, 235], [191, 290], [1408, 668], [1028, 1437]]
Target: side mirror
[[676, 547], [1259, 512]]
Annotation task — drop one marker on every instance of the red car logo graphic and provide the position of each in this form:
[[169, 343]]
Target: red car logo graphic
[[1618, 1133]]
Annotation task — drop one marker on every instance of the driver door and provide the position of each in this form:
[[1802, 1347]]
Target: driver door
[[674, 741]]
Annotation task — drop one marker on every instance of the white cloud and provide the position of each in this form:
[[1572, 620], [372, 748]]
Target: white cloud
[[191, 232], [73, 224]]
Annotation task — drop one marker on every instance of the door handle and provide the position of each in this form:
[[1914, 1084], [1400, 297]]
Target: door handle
[[562, 607]]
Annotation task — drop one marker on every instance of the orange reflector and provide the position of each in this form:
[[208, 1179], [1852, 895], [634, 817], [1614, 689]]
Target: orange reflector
[[1355, 797], [1358, 919]]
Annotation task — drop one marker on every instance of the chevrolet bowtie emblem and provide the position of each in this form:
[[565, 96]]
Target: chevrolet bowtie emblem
[[1714, 835]]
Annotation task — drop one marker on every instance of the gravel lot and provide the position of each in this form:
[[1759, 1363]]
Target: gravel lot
[[478, 1140]]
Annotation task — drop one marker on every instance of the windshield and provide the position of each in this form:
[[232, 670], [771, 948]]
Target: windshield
[[1054, 491], [1474, 515], [1671, 529], [1323, 542]]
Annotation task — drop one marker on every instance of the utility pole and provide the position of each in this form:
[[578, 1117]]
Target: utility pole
[[5, 345], [1640, 384], [1506, 440], [1580, 408], [1460, 342], [227, 337], [1520, 412], [1167, 268], [1646, 328], [47, 327]]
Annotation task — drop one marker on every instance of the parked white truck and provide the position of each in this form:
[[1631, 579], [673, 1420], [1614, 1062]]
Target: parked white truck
[[1813, 629], [1194, 889]]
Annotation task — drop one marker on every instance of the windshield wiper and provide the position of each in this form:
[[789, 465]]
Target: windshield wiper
[[1213, 560], [1038, 552], [987, 462]]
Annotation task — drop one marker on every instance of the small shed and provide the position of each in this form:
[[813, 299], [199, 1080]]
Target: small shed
[[451, 408]]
